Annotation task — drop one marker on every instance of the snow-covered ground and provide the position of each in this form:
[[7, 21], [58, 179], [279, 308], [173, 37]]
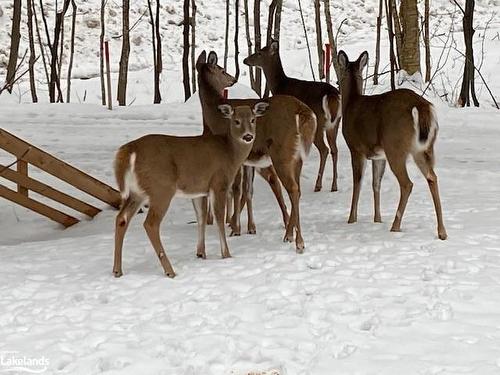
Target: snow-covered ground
[[360, 300]]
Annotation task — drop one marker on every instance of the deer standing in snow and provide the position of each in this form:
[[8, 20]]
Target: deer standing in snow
[[389, 126], [283, 139], [155, 168], [322, 98]]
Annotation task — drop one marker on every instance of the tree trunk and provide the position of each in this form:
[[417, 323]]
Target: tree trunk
[[468, 85], [55, 82], [307, 39], [29, 7], [388, 12], [185, 54], [427, 42], [72, 51], [236, 45], [257, 40], [410, 48], [249, 42], [397, 32], [331, 38], [226, 36], [101, 53], [14, 45], [193, 43], [377, 47], [319, 39], [42, 48], [277, 19], [269, 33], [123, 72]]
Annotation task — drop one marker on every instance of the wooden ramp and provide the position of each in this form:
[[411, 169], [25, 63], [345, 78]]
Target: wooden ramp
[[28, 154]]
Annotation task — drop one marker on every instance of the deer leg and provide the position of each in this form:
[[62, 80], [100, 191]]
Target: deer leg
[[425, 164], [398, 167], [237, 194], [378, 168], [200, 207], [210, 216], [129, 208], [249, 175], [331, 136], [358, 165], [218, 197], [320, 144], [157, 211], [270, 175], [229, 207]]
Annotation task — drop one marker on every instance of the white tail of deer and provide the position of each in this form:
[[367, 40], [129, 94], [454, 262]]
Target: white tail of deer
[[389, 126], [322, 98], [283, 137], [155, 168]]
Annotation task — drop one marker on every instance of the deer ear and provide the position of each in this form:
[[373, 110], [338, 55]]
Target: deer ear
[[363, 60], [260, 108], [202, 59], [212, 58], [342, 59], [226, 110], [274, 46]]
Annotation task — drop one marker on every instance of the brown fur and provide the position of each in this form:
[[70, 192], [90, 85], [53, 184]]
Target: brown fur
[[312, 94], [277, 135], [384, 123], [153, 168]]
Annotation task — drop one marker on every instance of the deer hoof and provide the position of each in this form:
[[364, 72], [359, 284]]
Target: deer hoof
[[442, 236], [118, 273], [334, 188], [300, 248], [226, 255], [317, 188], [393, 229], [252, 231], [235, 233], [170, 274], [201, 255], [351, 221]]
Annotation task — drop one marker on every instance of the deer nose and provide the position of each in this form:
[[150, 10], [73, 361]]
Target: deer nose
[[248, 138]]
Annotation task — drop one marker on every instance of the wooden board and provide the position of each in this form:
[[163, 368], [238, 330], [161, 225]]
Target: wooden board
[[58, 168], [38, 187], [38, 207]]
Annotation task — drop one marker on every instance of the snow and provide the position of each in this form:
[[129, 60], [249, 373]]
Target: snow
[[360, 300]]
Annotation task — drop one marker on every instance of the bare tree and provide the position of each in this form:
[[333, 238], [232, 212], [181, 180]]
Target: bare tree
[[156, 46], [468, 85], [307, 40], [427, 42], [193, 43], [273, 22], [390, 30], [249, 42], [226, 36], [377, 48], [319, 38], [331, 39], [55, 82], [101, 52], [257, 40], [32, 59], [398, 34], [123, 72], [40, 43], [236, 45], [14, 45], [410, 48], [72, 51], [185, 54], [277, 19]]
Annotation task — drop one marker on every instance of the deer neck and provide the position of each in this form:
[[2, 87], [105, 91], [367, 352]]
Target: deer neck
[[349, 92], [239, 150], [275, 75], [209, 97]]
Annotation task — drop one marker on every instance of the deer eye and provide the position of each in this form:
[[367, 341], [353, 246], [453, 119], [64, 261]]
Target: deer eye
[[237, 122]]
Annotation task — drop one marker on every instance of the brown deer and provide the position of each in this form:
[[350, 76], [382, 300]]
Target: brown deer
[[389, 126], [322, 98], [283, 139], [155, 168]]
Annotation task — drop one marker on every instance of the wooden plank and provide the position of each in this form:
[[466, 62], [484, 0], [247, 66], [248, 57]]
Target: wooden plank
[[38, 207], [22, 168], [59, 168], [39, 187]]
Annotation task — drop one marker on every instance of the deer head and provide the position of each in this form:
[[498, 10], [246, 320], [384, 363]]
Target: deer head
[[242, 120], [213, 74], [351, 73], [264, 56]]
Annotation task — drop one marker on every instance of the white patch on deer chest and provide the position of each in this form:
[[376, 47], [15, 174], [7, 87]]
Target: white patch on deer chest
[[264, 162], [181, 194]]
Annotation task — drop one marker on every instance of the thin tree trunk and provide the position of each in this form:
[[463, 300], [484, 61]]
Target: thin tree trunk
[[388, 12], [319, 38], [277, 19], [101, 53], [377, 48], [410, 52], [159, 57], [40, 43], [249, 42], [236, 44], [54, 66], [72, 51], [307, 40], [14, 45], [257, 40], [185, 54], [331, 38], [123, 72], [153, 44], [32, 59], [226, 36], [397, 32], [427, 42], [270, 21], [193, 43], [468, 85]]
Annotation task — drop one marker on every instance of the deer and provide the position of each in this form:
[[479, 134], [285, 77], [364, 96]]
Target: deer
[[321, 97], [282, 142], [156, 168], [389, 126]]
